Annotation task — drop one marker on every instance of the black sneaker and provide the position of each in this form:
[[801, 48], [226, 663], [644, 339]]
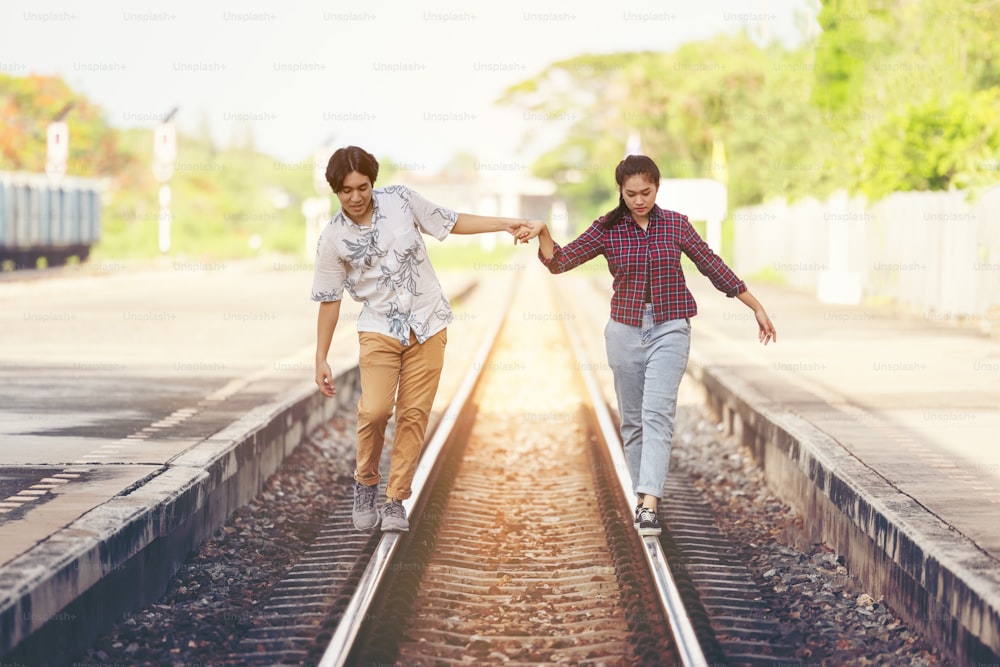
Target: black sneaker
[[364, 515], [635, 522], [394, 517], [649, 523]]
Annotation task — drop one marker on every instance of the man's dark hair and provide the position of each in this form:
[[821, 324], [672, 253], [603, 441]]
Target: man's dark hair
[[347, 159]]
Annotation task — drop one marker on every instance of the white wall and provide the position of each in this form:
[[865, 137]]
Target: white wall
[[937, 252]]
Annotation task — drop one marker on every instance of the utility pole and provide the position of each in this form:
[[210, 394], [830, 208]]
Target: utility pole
[[164, 154], [57, 154]]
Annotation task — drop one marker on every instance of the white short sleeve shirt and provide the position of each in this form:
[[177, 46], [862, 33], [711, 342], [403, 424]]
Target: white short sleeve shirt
[[385, 267]]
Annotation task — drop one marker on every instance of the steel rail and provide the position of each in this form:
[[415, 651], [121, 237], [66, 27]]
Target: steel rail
[[342, 641], [688, 646]]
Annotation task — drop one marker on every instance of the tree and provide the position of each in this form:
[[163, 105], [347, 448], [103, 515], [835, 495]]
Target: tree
[[27, 106], [754, 100], [890, 77], [941, 144]]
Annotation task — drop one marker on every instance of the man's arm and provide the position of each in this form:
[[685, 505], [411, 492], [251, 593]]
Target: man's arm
[[468, 223], [326, 324]]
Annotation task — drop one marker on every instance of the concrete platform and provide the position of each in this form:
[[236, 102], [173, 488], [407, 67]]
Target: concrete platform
[[124, 445], [879, 428]]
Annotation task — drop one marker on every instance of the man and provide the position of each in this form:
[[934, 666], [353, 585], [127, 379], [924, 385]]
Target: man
[[374, 249]]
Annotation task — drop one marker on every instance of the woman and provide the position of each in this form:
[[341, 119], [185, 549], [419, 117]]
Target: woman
[[649, 333], [374, 249]]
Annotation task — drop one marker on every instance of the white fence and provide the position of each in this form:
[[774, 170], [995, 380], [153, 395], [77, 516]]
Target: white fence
[[935, 252]]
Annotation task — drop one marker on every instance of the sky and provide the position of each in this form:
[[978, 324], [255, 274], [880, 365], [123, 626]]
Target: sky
[[416, 83]]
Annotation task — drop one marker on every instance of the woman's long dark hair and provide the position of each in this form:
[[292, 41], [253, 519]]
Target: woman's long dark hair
[[631, 166]]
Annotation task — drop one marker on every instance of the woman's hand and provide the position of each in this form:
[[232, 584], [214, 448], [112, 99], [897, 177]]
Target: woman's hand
[[765, 329], [766, 332]]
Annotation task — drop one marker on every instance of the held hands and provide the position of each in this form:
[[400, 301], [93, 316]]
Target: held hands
[[527, 230]]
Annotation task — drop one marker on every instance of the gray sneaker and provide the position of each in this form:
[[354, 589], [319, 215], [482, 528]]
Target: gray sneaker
[[394, 517], [364, 515]]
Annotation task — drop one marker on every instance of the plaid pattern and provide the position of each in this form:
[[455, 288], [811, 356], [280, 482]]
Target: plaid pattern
[[633, 255]]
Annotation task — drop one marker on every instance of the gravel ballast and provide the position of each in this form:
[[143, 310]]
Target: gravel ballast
[[217, 595], [823, 610]]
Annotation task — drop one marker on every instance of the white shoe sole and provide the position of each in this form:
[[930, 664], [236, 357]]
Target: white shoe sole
[[395, 529], [373, 526], [392, 524]]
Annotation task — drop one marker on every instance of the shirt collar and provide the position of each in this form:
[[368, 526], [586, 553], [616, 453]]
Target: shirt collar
[[655, 213], [347, 221]]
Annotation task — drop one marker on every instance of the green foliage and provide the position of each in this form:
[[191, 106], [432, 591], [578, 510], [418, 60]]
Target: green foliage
[[856, 34], [937, 145], [912, 113], [582, 166], [756, 101], [220, 200], [839, 64], [891, 96]]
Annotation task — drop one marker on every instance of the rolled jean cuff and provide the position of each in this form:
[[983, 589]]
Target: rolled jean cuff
[[369, 480]]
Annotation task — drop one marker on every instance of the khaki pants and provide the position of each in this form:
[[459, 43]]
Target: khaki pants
[[401, 376]]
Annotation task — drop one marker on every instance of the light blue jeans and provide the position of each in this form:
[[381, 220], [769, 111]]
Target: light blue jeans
[[648, 363]]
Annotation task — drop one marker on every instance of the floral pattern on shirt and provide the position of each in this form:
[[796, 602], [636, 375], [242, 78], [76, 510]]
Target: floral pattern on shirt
[[385, 265], [366, 249]]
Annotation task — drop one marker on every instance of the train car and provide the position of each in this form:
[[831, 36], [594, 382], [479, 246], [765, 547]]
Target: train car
[[40, 217]]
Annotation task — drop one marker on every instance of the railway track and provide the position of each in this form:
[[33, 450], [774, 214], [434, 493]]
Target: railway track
[[522, 548]]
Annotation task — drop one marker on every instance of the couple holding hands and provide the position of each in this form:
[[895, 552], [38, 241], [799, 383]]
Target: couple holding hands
[[373, 248]]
